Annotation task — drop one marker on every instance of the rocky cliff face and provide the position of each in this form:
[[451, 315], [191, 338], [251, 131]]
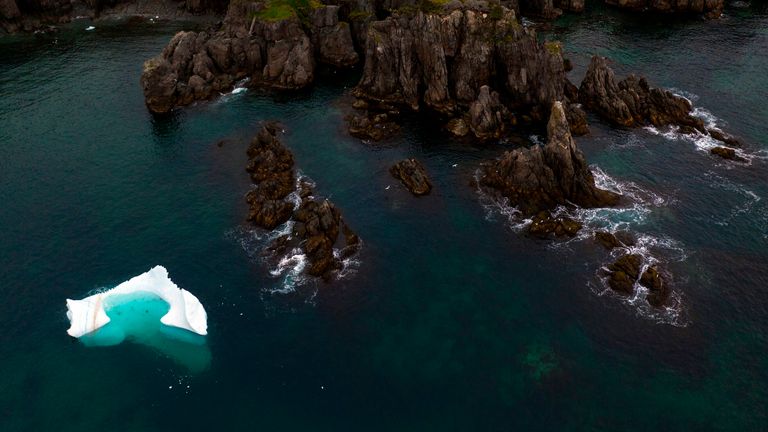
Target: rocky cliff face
[[540, 178], [278, 53], [481, 67]]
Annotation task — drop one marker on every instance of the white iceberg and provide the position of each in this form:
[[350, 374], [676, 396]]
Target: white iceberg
[[185, 310]]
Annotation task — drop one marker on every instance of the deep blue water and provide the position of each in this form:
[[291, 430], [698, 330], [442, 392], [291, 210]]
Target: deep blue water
[[453, 319]]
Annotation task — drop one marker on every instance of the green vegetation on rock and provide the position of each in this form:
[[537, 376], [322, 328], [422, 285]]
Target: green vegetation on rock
[[278, 10]]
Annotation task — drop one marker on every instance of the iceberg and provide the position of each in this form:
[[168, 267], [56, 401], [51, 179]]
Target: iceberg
[[185, 310], [150, 310]]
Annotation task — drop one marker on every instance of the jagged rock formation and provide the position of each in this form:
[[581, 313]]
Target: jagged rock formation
[[29, 15], [632, 102], [413, 175], [276, 53], [463, 63], [614, 240], [270, 165], [708, 8], [624, 273], [543, 177], [318, 228], [627, 270]]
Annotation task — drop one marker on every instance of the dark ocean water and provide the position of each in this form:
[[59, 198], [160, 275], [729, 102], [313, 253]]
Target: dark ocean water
[[451, 320]]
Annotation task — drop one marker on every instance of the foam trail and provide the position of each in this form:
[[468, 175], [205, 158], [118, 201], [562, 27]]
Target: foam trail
[[611, 219]]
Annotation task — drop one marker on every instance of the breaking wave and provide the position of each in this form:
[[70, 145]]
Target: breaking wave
[[638, 205], [288, 268], [702, 142]]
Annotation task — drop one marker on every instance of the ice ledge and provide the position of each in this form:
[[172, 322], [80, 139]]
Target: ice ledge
[[186, 311]]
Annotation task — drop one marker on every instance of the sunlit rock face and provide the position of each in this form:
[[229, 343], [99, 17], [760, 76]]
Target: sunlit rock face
[[148, 309]]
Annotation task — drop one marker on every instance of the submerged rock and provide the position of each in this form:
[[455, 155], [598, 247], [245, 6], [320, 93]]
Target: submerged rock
[[614, 240], [318, 228], [543, 224], [727, 153], [543, 177], [632, 102], [413, 175]]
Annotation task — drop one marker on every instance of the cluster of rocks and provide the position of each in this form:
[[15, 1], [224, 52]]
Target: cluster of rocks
[[318, 227], [412, 175], [276, 53], [473, 67], [538, 179], [630, 269], [632, 102]]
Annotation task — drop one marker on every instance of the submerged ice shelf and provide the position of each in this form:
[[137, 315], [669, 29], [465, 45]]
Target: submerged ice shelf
[[185, 310]]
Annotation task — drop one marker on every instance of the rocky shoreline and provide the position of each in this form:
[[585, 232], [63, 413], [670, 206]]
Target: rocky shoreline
[[34, 15], [475, 67]]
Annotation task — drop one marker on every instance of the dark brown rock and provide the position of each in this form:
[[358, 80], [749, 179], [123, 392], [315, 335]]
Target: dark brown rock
[[413, 175], [614, 240], [442, 61], [318, 226], [658, 292], [727, 153], [487, 115], [632, 102], [372, 126], [623, 273], [543, 177], [332, 38], [270, 166], [543, 224]]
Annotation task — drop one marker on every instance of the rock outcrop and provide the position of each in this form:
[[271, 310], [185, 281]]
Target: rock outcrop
[[727, 153], [613, 240], [318, 228], [276, 53], [543, 177], [544, 225], [629, 270], [461, 63], [623, 273], [708, 8], [413, 175], [632, 102]]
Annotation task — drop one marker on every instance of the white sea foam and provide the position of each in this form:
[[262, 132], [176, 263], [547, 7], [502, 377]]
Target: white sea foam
[[749, 199], [638, 204], [703, 142], [289, 269]]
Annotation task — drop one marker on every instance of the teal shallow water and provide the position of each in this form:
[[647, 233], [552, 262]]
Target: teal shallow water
[[452, 320]]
